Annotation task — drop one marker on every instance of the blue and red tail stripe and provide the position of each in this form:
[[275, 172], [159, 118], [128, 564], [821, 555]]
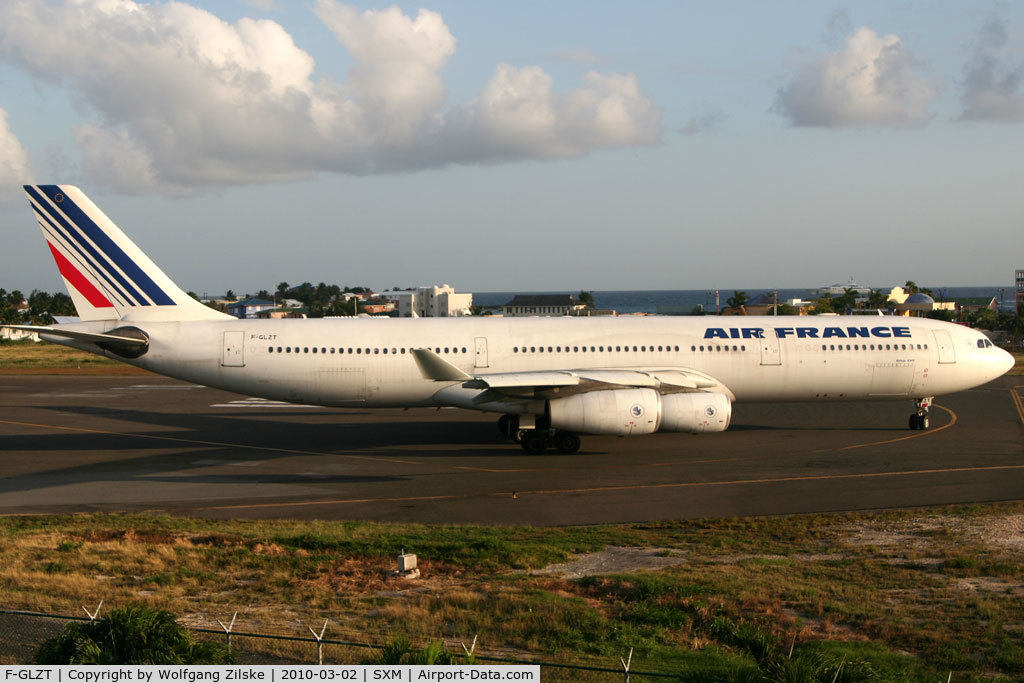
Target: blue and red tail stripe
[[74, 276], [81, 227], [59, 235]]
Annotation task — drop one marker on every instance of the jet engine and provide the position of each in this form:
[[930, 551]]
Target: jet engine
[[620, 412], [695, 412], [626, 412]]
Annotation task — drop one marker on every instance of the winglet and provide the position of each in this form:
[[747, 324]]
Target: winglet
[[435, 368]]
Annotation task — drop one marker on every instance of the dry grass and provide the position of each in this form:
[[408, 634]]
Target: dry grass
[[934, 583], [28, 358]]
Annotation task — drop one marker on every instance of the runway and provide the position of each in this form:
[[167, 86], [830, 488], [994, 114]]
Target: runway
[[75, 443]]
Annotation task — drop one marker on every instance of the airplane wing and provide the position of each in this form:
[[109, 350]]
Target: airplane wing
[[548, 383]]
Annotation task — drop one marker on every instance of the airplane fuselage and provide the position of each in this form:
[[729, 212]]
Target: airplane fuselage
[[367, 361]]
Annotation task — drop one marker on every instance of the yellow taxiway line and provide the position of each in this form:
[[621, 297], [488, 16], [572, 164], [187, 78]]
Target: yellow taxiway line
[[632, 487]]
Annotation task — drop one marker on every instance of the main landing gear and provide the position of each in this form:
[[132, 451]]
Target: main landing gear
[[919, 420], [536, 440]]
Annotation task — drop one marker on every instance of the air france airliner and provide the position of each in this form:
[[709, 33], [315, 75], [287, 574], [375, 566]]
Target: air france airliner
[[549, 379]]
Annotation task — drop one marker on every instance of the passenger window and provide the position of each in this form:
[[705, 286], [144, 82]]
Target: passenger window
[[279, 349], [270, 349], [359, 350], [305, 349], [693, 348]]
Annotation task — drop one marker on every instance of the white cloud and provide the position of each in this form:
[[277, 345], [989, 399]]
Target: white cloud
[[870, 82], [183, 99], [991, 90], [14, 166]]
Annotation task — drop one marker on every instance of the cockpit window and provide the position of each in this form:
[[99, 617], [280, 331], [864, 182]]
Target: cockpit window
[[984, 343]]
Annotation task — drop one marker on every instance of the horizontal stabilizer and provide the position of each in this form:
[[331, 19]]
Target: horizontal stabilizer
[[127, 342]]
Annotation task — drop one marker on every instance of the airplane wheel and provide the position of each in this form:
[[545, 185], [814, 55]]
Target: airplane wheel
[[535, 442], [567, 442], [924, 422], [915, 421], [518, 435]]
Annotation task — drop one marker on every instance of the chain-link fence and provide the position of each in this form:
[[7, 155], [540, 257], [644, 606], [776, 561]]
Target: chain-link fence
[[21, 634]]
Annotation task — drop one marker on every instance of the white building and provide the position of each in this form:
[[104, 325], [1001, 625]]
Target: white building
[[431, 302]]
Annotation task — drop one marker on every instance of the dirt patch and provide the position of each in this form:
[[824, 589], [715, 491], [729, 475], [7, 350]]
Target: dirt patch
[[989, 584], [615, 560]]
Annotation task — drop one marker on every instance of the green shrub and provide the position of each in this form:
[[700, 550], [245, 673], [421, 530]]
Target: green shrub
[[132, 635]]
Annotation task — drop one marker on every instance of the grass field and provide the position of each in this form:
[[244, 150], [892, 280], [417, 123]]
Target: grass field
[[910, 595], [32, 358]]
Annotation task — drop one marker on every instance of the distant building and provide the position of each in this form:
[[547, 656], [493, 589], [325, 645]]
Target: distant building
[[279, 313], [431, 302], [543, 304], [377, 307], [249, 308], [973, 304], [1020, 287]]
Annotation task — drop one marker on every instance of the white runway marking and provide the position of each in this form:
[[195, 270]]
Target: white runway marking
[[260, 403]]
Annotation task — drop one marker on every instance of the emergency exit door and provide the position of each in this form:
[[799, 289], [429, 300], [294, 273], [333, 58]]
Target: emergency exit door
[[481, 352]]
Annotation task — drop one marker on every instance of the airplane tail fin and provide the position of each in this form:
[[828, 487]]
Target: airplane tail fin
[[106, 274]]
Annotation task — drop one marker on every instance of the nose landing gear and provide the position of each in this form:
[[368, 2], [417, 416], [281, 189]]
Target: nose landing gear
[[919, 420]]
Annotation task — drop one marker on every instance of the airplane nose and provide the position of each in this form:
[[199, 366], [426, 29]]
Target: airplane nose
[[1008, 361]]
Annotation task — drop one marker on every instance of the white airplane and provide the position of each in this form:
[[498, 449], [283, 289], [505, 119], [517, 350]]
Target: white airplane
[[551, 379]]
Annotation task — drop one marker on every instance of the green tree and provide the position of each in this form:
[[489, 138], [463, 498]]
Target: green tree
[[230, 295], [131, 635], [587, 298], [737, 299], [878, 299], [786, 309]]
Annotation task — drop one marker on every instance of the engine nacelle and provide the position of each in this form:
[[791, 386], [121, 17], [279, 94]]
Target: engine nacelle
[[695, 412], [627, 412], [620, 412]]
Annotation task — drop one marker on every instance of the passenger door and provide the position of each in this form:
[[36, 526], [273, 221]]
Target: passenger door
[[234, 350], [943, 342], [770, 354]]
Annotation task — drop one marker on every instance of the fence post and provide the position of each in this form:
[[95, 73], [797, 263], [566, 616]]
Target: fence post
[[469, 651], [227, 629], [93, 615], [319, 642], [626, 663]]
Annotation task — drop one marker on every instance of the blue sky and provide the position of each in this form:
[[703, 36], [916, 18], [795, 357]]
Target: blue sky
[[526, 146]]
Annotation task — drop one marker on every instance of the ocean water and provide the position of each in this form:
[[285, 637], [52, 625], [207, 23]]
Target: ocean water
[[682, 300]]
